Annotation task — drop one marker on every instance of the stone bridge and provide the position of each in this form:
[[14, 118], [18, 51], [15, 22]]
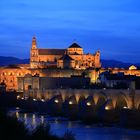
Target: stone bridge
[[107, 98]]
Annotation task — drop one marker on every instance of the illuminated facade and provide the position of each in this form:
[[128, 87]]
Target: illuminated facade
[[72, 57], [52, 63], [29, 82], [59, 63]]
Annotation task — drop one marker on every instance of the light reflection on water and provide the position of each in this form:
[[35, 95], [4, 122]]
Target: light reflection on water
[[83, 132], [30, 120], [42, 119]]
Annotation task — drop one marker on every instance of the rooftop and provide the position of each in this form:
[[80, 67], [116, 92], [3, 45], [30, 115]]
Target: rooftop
[[74, 45], [51, 51], [65, 57]]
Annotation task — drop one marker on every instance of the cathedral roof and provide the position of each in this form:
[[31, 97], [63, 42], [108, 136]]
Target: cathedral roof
[[65, 57], [74, 45], [51, 51]]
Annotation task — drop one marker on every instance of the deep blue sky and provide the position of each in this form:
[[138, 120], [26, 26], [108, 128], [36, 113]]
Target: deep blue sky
[[111, 26]]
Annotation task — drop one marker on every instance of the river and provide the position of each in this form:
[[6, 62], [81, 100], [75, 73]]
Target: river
[[82, 132]]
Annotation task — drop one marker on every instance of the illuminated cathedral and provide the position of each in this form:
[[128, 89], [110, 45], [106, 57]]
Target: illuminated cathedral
[[72, 57], [58, 66], [51, 63]]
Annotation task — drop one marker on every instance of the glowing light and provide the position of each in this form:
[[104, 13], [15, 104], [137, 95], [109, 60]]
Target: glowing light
[[17, 115], [70, 102], [56, 101], [34, 120], [17, 108], [107, 108], [42, 100], [132, 67], [34, 116], [25, 116], [22, 98], [125, 107], [34, 99], [18, 97], [88, 104], [42, 119]]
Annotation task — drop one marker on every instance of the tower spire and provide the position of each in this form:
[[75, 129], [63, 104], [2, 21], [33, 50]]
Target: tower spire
[[34, 43]]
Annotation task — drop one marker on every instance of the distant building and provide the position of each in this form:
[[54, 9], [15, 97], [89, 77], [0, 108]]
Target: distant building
[[132, 70], [118, 80], [53, 63], [29, 82], [62, 64], [72, 57]]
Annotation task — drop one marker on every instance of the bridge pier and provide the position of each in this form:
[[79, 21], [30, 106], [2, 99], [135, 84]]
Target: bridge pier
[[88, 101]]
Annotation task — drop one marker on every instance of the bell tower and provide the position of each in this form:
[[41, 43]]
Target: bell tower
[[33, 53], [34, 43], [97, 60]]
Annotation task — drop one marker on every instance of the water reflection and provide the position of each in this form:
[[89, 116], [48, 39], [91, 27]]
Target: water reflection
[[17, 115], [70, 124], [30, 119], [42, 119], [33, 120], [56, 121], [83, 132], [25, 116]]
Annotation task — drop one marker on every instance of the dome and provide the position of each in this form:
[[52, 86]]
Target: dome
[[74, 45], [132, 67]]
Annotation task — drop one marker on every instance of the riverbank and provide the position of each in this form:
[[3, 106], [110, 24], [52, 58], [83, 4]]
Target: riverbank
[[13, 128], [82, 131]]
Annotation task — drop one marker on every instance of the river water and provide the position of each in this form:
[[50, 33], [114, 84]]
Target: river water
[[82, 132]]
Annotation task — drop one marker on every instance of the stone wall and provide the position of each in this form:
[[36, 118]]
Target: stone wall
[[111, 99]]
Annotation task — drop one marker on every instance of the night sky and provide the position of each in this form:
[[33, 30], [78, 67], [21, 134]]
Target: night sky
[[111, 26]]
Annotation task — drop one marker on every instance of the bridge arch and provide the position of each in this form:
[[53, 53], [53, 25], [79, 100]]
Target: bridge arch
[[121, 103], [89, 101], [73, 99], [81, 99], [108, 104], [101, 101], [57, 99]]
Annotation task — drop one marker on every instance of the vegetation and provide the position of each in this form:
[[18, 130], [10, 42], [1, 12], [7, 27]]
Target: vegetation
[[11, 128]]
